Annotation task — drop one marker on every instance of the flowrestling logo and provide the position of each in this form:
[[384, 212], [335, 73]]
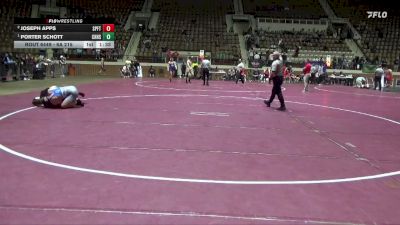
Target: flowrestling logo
[[377, 14]]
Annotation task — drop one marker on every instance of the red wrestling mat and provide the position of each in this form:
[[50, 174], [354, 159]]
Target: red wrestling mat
[[154, 152]]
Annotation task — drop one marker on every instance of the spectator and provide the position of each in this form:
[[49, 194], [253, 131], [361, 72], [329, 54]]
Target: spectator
[[189, 70], [138, 68], [102, 66], [52, 68], [152, 72], [172, 68], [183, 69], [9, 65], [63, 63], [389, 77], [307, 75]]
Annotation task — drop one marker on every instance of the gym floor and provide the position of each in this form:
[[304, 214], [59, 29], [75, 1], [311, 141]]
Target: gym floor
[[154, 152]]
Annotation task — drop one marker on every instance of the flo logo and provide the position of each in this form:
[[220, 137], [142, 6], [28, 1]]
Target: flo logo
[[377, 14]]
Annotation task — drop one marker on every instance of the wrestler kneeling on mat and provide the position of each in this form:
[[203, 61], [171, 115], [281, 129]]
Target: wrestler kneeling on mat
[[59, 97]]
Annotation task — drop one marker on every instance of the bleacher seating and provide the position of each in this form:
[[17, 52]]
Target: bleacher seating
[[307, 41], [8, 11], [190, 26], [117, 10], [302, 9], [313, 46], [380, 37]]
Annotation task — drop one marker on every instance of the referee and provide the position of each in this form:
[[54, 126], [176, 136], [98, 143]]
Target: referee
[[206, 66], [379, 79], [277, 79]]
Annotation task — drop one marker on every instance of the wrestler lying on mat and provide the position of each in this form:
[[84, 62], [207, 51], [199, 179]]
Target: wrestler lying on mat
[[59, 97]]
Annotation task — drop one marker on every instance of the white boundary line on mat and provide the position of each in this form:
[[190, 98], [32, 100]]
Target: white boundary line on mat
[[208, 181]]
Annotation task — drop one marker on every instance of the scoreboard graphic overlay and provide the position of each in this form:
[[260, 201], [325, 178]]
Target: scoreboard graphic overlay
[[63, 33]]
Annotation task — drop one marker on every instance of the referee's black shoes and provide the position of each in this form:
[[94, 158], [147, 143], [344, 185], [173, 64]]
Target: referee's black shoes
[[282, 108]]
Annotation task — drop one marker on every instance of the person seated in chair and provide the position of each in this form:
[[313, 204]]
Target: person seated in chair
[[295, 78], [256, 75], [152, 72]]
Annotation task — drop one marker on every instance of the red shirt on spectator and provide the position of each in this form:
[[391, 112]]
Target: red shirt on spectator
[[389, 76], [285, 71], [307, 68]]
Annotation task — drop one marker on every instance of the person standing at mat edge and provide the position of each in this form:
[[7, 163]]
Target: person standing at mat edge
[[102, 67], [379, 79], [206, 66], [63, 64], [307, 75], [277, 79], [241, 73], [172, 68], [189, 70]]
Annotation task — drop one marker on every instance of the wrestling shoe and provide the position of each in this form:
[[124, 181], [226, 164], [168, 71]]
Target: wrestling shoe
[[282, 108], [80, 103]]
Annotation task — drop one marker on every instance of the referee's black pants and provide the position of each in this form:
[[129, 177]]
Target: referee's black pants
[[206, 76], [276, 90], [377, 82]]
